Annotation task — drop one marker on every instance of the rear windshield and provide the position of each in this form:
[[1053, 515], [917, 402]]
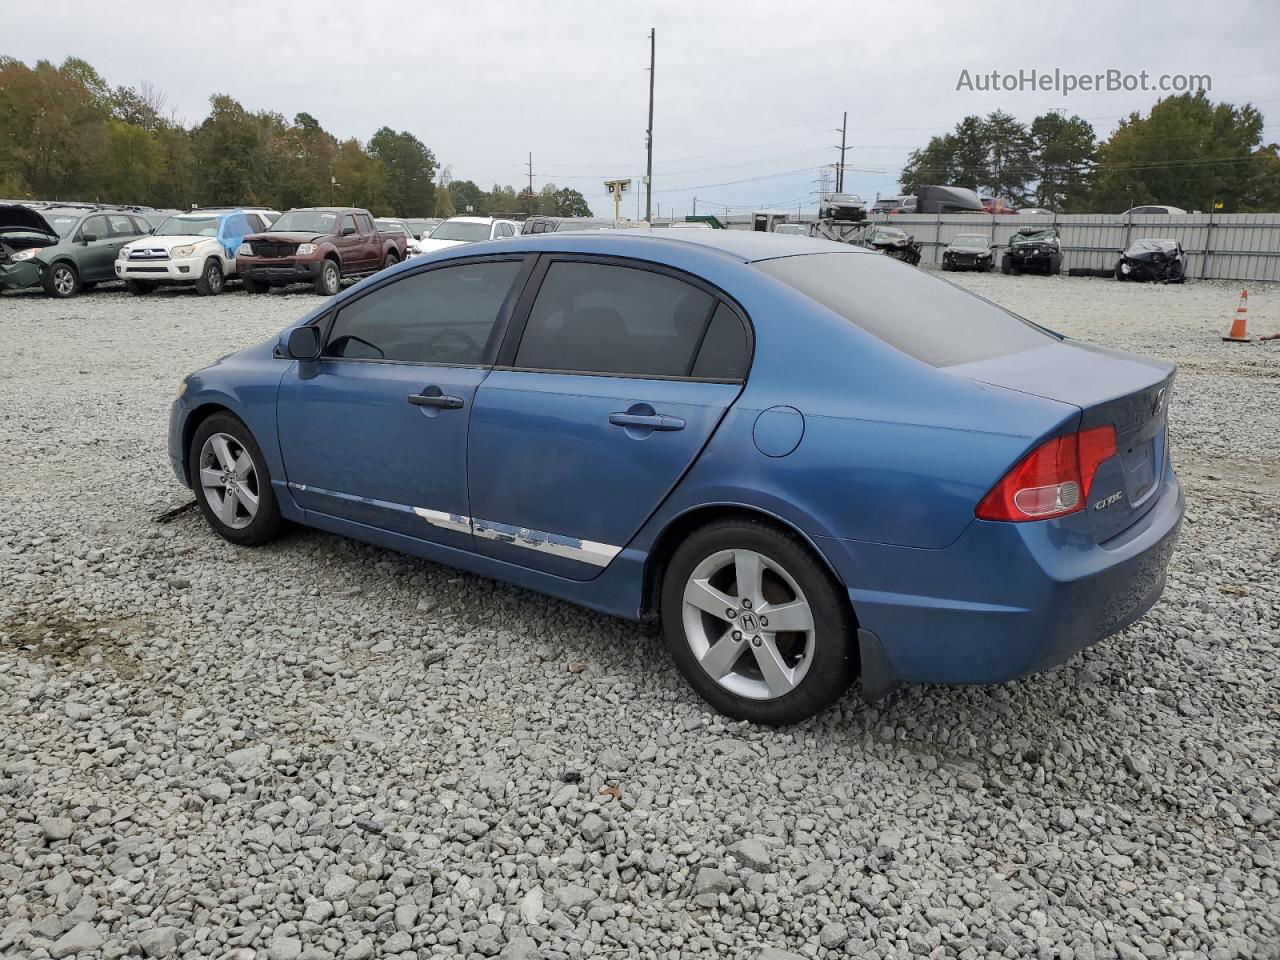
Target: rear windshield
[[924, 316]]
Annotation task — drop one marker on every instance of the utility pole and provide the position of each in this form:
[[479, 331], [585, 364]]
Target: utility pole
[[695, 206], [648, 139], [840, 169], [530, 166]]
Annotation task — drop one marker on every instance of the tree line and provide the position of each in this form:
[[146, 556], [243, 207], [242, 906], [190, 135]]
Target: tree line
[[1186, 152], [66, 134]]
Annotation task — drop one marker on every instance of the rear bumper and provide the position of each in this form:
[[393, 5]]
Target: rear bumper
[[279, 271], [1006, 599]]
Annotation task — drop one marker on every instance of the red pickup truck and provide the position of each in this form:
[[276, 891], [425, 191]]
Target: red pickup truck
[[318, 245]]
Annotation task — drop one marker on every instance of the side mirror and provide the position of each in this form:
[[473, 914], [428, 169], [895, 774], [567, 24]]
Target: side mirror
[[88, 238], [348, 231], [304, 343]]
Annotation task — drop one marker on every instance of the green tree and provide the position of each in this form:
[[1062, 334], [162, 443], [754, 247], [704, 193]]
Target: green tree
[[567, 202], [232, 155], [1065, 148], [446, 205], [362, 180], [1187, 152], [130, 161], [410, 171], [465, 193], [49, 125], [1009, 150]]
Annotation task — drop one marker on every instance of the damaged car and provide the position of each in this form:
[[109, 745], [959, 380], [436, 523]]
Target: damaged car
[[894, 243], [1033, 250], [62, 249], [1152, 259], [968, 251]]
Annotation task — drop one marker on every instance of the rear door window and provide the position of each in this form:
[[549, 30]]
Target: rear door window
[[121, 226], [446, 315], [725, 353], [924, 316], [614, 320]]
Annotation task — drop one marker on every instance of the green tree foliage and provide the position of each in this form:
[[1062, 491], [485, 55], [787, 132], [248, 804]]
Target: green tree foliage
[[1065, 149], [1190, 153], [66, 134], [463, 194], [410, 171]]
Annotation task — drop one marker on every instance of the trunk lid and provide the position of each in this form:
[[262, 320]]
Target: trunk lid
[[1110, 388]]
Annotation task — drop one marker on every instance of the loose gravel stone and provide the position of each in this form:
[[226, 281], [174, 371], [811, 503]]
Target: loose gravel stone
[[324, 750]]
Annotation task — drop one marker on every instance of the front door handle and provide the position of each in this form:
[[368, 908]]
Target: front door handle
[[646, 421], [443, 401]]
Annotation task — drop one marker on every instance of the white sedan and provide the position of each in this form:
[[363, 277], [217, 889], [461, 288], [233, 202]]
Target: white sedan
[[458, 230]]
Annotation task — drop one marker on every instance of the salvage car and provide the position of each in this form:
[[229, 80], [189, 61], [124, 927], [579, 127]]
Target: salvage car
[[195, 249], [1033, 249], [1151, 259], [458, 230], [318, 245], [894, 243], [63, 250], [666, 428], [968, 251], [843, 206]]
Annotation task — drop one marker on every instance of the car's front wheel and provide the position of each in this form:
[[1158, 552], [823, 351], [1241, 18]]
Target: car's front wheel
[[232, 485], [756, 624], [211, 279], [329, 280], [62, 281]]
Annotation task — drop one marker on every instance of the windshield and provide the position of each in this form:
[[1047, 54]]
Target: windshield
[[63, 223], [188, 227], [394, 226], [461, 230], [306, 221], [941, 324], [790, 228], [1036, 235], [969, 240], [1149, 245]]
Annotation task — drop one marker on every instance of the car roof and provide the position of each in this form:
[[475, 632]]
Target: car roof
[[746, 246]]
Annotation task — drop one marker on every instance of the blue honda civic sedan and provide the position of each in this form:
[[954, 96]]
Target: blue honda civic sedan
[[808, 461]]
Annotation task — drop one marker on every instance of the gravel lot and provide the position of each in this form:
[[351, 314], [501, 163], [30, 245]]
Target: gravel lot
[[322, 749]]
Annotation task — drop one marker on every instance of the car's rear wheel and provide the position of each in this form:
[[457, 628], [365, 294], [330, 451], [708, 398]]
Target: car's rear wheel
[[231, 482], [139, 288], [391, 261], [211, 280], [329, 280], [756, 624], [61, 281]]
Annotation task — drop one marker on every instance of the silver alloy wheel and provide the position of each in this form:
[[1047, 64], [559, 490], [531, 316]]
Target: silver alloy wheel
[[229, 480], [215, 278], [330, 277], [64, 281], [740, 600]]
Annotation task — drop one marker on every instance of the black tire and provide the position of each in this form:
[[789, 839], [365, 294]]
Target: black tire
[[267, 523], [255, 286], [391, 260], [329, 279], [1006, 264], [211, 281], [1055, 266], [1119, 274], [61, 280], [832, 663], [139, 288]]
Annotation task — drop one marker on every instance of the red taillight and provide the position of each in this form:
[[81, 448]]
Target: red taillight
[[1052, 480]]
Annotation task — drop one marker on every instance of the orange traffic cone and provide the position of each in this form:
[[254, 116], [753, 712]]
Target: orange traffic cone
[[1239, 327]]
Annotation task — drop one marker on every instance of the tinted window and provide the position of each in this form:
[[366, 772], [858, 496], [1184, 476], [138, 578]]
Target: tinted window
[[96, 226], [599, 318], [926, 317], [121, 226], [365, 223], [439, 316], [140, 226], [348, 223], [725, 352]]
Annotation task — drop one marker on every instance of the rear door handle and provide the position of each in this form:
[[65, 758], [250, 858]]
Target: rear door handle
[[444, 402], [646, 421]]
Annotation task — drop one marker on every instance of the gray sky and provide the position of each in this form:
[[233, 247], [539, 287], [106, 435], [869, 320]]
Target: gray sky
[[748, 93]]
